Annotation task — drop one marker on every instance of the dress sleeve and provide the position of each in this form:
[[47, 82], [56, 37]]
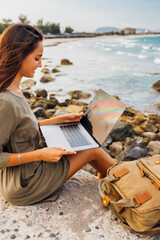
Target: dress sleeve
[[7, 127]]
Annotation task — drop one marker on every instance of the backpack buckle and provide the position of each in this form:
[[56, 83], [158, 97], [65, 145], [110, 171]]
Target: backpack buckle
[[105, 201]]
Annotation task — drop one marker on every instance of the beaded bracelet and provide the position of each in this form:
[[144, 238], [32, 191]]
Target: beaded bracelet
[[19, 159]]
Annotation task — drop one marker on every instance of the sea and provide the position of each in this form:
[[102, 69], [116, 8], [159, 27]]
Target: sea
[[123, 66]]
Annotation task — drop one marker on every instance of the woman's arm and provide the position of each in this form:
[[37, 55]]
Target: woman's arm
[[50, 121], [72, 117], [45, 154]]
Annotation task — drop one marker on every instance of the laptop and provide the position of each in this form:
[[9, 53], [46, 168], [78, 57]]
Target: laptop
[[94, 127]]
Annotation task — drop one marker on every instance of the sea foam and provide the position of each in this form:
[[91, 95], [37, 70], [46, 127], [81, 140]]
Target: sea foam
[[157, 60]]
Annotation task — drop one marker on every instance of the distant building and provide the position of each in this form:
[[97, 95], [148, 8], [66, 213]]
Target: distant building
[[127, 31], [142, 30]]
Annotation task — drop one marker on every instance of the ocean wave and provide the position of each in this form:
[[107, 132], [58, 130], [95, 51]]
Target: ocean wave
[[130, 45], [142, 56], [139, 74], [131, 54], [120, 53], [158, 49], [145, 47], [107, 49], [157, 60]]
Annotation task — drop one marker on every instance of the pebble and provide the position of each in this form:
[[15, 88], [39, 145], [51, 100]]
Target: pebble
[[13, 236], [97, 227], [52, 235], [39, 235], [27, 236], [87, 230]]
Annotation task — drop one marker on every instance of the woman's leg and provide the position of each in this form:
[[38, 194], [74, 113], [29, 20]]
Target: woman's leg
[[97, 158]]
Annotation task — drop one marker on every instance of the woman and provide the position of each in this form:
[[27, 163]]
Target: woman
[[28, 174]]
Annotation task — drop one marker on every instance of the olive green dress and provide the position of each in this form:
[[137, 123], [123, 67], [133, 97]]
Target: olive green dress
[[19, 132]]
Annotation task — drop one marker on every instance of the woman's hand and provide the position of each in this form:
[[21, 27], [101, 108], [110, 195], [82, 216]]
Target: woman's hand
[[72, 117], [53, 154]]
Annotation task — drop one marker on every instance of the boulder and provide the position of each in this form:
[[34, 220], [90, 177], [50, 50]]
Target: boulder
[[64, 104], [66, 62], [27, 94], [149, 127], [133, 142], [40, 103], [157, 106], [138, 130], [39, 112], [45, 103], [156, 86], [79, 94], [121, 131], [52, 96], [132, 154], [108, 141], [77, 214], [41, 93], [115, 149], [150, 136], [61, 111], [74, 108], [27, 84], [154, 147], [138, 120], [158, 126], [55, 70], [46, 78], [49, 113], [129, 112], [45, 71], [154, 119], [129, 143]]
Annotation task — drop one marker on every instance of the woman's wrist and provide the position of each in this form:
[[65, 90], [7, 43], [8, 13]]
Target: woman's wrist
[[50, 121]]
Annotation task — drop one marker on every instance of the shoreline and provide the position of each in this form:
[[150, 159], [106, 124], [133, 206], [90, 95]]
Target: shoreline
[[49, 42]]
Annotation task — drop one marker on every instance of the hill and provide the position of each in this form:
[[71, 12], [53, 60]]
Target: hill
[[106, 29]]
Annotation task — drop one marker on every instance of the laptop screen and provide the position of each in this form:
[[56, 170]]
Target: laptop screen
[[102, 115]]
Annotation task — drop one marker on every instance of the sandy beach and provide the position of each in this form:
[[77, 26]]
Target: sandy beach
[[55, 41]]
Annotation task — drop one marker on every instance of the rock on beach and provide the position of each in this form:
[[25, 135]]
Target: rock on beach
[[129, 139], [156, 86], [66, 62]]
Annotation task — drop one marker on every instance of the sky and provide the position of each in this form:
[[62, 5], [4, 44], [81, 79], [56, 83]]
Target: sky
[[86, 15]]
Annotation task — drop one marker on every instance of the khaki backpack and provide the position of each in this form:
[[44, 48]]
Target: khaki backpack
[[132, 191]]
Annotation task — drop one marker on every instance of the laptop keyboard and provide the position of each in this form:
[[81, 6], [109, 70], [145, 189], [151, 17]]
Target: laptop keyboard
[[74, 136]]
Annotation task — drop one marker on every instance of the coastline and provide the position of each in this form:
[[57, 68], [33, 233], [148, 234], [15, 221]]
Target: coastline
[[48, 42]]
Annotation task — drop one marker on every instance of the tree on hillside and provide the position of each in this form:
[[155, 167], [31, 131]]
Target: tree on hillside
[[40, 22], [23, 19], [68, 30], [54, 28], [40, 25], [7, 21], [2, 27], [48, 27]]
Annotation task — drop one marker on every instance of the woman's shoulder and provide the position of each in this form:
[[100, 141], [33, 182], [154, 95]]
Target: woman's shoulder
[[7, 101], [9, 97]]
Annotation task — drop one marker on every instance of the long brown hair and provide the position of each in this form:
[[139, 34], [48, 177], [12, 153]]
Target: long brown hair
[[16, 42]]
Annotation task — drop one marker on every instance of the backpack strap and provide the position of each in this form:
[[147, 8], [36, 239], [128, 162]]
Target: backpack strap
[[124, 202]]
